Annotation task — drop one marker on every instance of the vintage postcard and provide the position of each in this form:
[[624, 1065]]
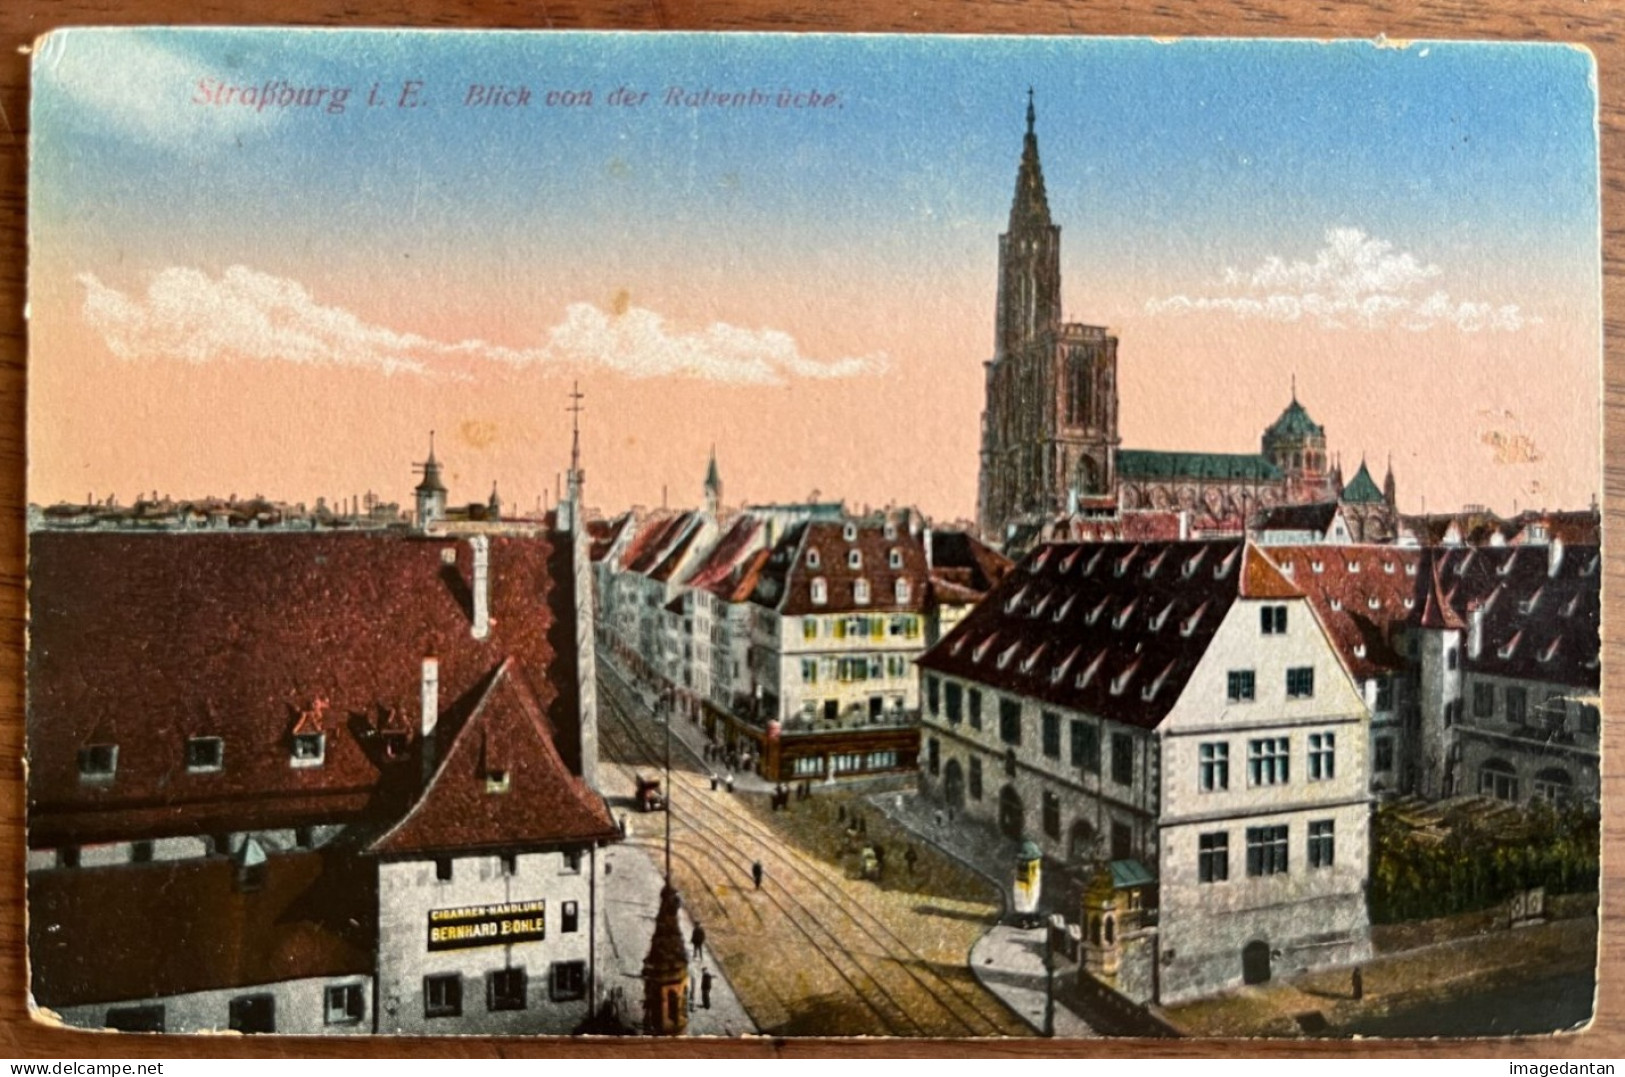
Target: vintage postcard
[[565, 534]]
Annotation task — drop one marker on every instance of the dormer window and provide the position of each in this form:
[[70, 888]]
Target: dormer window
[[901, 590], [204, 754], [308, 749], [1410, 569], [890, 530], [812, 558], [98, 762], [1388, 567], [497, 780], [850, 532], [860, 592], [854, 559], [1317, 567], [820, 591], [1374, 602], [395, 741], [895, 558], [1337, 604]]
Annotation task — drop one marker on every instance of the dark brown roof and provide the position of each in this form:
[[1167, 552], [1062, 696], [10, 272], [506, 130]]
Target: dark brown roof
[[540, 803], [1315, 517], [604, 534], [1538, 623], [175, 927], [1114, 629], [786, 579], [1541, 621], [965, 560], [146, 640]]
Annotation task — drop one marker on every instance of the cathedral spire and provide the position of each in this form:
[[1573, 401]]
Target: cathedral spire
[[1030, 208]]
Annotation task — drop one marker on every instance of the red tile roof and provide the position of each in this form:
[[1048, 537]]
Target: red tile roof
[[786, 580], [730, 552], [175, 927], [1114, 629], [653, 538], [538, 803], [1361, 593], [146, 640]]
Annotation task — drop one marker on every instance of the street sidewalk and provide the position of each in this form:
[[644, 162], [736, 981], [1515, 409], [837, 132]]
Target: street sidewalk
[[1007, 960], [632, 883]]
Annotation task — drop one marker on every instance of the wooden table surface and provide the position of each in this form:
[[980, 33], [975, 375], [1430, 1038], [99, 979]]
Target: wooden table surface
[[1596, 25]]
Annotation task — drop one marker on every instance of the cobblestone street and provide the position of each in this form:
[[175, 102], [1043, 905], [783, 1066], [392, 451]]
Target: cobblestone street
[[817, 950]]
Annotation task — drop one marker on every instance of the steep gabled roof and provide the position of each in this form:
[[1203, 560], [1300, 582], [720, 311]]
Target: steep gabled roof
[[1114, 629], [1361, 594], [148, 640], [1539, 608], [729, 552], [539, 803]]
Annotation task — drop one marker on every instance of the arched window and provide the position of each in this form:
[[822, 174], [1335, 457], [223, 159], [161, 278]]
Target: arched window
[[820, 591]]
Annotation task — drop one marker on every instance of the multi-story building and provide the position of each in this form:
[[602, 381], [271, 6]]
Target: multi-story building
[[324, 782], [1178, 710]]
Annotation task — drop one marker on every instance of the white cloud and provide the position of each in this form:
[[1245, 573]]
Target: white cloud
[[1354, 280], [190, 316]]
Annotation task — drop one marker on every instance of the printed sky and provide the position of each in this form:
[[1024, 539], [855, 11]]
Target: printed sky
[[229, 299]]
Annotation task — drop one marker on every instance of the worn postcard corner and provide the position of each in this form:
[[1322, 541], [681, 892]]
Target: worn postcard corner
[[728, 535]]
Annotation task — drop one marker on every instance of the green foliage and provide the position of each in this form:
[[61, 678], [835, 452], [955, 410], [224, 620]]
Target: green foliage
[[1479, 864]]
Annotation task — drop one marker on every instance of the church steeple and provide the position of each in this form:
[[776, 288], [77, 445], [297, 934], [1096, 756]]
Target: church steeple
[[713, 485], [1029, 255]]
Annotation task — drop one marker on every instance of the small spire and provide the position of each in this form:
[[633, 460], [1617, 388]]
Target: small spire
[[431, 446], [1294, 386], [1032, 114]]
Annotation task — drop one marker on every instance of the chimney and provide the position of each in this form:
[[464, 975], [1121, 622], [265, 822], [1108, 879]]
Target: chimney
[[482, 586], [1554, 555], [926, 542], [1475, 630], [431, 714]]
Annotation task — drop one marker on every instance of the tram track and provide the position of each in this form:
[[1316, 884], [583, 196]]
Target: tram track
[[893, 971], [892, 1015]]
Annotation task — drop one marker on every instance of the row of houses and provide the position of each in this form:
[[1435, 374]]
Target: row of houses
[[790, 631]]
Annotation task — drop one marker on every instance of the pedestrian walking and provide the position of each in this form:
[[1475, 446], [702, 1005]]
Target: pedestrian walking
[[698, 939], [909, 858], [714, 781], [756, 873], [936, 818], [705, 988], [1359, 984], [730, 781]]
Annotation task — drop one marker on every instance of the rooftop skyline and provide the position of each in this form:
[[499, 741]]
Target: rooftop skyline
[[284, 300]]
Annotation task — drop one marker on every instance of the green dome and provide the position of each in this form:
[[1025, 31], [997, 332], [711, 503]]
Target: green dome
[[1295, 423]]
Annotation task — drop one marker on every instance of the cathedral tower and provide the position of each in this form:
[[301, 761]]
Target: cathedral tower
[[1029, 257], [1049, 429]]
